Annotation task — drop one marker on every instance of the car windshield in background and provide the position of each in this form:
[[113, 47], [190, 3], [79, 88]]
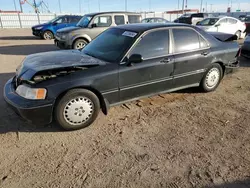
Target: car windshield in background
[[186, 16], [53, 20], [208, 21], [111, 45], [84, 22]]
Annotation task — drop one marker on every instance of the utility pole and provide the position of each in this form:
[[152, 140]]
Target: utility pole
[[183, 5], [59, 3], [35, 6], [15, 4], [186, 4], [201, 5], [21, 8]]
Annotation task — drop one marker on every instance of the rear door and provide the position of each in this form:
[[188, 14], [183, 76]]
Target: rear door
[[154, 74], [223, 26], [232, 26], [192, 56]]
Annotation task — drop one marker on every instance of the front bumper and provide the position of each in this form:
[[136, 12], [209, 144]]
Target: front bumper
[[34, 111], [62, 44], [37, 33]]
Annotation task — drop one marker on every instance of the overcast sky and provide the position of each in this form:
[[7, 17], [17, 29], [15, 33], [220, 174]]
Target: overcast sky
[[72, 6]]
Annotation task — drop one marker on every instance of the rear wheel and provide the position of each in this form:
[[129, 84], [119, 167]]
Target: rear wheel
[[48, 35], [212, 78], [77, 109], [238, 34], [80, 44]]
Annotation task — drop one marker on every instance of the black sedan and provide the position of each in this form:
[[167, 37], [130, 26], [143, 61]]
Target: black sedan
[[245, 52], [122, 64]]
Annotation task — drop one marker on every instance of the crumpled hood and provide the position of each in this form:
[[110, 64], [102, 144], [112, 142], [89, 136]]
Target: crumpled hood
[[68, 29], [54, 60]]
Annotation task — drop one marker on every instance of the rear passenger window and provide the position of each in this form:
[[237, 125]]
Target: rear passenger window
[[185, 40], [134, 19], [154, 44], [119, 20], [75, 19]]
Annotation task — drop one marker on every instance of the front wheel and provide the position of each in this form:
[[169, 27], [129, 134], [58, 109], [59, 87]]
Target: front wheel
[[212, 78], [77, 109], [80, 44], [48, 35]]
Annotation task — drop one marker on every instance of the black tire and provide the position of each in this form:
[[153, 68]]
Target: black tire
[[238, 34], [76, 105], [214, 73], [48, 35], [79, 44]]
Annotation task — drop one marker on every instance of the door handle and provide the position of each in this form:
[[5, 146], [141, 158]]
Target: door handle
[[166, 60], [205, 53]]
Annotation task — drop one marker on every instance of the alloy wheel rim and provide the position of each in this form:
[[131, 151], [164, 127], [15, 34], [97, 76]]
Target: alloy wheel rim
[[212, 78], [80, 45], [78, 110], [47, 35]]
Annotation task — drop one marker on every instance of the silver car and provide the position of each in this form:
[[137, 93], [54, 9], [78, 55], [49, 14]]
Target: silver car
[[90, 26]]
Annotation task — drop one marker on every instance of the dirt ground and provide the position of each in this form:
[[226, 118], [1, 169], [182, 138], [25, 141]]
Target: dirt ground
[[184, 139]]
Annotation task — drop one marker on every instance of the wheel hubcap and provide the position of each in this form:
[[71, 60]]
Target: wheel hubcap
[[212, 78], [78, 110], [80, 45]]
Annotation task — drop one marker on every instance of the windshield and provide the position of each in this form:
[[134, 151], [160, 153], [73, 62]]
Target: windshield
[[208, 21], [84, 22], [111, 45], [53, 20]]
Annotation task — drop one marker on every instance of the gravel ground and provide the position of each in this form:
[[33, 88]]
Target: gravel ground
[[183, 139]]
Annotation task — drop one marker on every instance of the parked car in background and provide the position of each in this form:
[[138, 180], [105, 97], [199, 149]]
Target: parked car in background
[[228, 25], [124, 63], [192, 18], [154, 20], [48, 30], [90, 26], [245, 50]]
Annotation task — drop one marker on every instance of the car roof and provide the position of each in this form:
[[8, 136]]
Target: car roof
[[145, 27], [154, 18], [112, 12]]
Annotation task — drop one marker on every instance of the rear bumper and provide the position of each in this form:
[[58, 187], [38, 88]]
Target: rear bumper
[[36, 112], [232, 67]]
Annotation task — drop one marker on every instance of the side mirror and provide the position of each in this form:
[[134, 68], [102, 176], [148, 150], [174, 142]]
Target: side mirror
[[54, 23], [93, 25], [135, 58], [217, 25]]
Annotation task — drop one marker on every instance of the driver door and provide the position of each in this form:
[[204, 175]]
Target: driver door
[[61, 23], [154, 74], [99, 24]]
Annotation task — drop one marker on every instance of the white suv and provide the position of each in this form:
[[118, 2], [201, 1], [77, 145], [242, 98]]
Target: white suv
[[224, 25]]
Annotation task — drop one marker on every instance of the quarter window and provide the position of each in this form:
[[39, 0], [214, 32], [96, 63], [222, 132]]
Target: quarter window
[[119, 20], [103, 21], [203, 43], [185, 40], [154, 44]]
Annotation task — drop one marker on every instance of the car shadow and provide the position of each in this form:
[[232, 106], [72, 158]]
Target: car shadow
[[237, 184], [20, 38], [27, 49], [11, 122], [244, 62]]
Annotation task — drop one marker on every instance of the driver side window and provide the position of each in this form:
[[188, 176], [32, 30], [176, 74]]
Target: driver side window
[[103, 21], [152, 45]]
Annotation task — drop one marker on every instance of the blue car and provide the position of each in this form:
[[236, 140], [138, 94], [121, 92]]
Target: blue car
[[48, 30]]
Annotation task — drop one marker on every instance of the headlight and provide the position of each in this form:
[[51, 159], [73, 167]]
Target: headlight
[[63, 37], [38, 28], [31, 93]]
